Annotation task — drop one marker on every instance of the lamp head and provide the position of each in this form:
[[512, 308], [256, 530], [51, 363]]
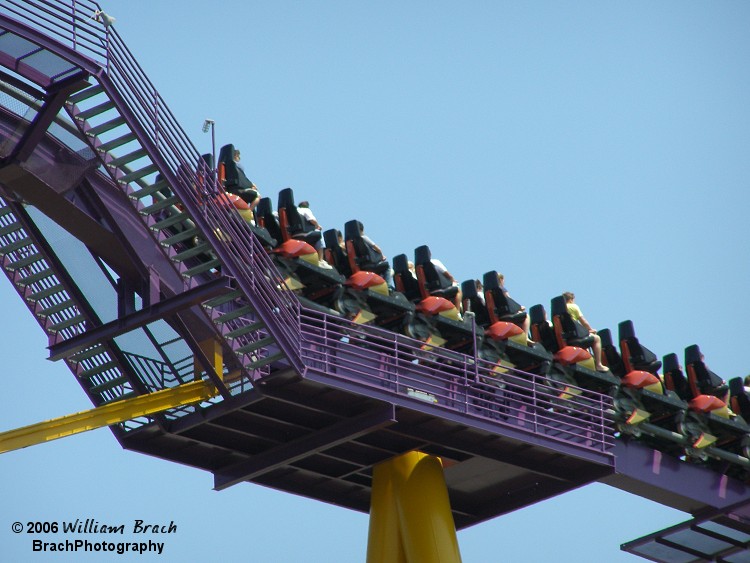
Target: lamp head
[[207, 125]]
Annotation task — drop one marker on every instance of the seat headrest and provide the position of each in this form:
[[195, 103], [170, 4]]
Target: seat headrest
[[265, 207], [226, 153], [537, 314], [670, 362], [422, 254], [490, 281], [400, 264], [331, 238], [558, 305], [692, 354], [286, 199], [626, 330], [606, 337], [469, 289], [352, 230]]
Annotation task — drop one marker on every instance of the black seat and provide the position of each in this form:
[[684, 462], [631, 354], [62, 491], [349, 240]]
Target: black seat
[[431, 283], [361, 255], [405, 281], [264, 217], [567, 331], [473, 303], [634, 355], [292, 224], [234, 179], [612, 354], [674, 378], [334, 254], [739, 400], [702, 381], [499, 306], [541, 331]]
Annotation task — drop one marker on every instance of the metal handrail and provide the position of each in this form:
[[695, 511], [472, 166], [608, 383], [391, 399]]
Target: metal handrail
[[173, 152], [385, 363]]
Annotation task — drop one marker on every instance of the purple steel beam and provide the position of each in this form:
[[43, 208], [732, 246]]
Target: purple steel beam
[[338, 433], [44, 119], [163, 309], [672, 482]]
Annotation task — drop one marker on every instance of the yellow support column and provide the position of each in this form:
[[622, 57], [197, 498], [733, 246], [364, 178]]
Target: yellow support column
[[384, 544], [410, 516], [211, 348]]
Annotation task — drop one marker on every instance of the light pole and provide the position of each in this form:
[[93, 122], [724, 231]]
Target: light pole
[[210, 123]]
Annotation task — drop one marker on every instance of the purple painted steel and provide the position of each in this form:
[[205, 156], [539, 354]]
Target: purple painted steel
[[380, 363], [172, 151]]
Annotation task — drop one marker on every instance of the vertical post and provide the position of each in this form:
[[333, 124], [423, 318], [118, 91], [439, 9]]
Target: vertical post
[[410, 514], [211, 348]]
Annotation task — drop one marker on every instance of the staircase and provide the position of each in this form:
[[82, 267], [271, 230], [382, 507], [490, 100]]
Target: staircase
[[59, 308]]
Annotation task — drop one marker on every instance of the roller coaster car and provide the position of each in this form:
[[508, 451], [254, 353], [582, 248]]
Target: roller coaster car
[[298, 263], [232, 176], [368, 298], [610, 354], [644, 407], [499, 306], [293, 225], [504, 340], [701, 380], [714, 430], [448, 327], [674, 378], [739, 398], [571, 340], [227, 200], [634, 355]]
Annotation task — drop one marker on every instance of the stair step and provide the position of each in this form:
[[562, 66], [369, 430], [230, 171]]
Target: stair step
[[153, 188], [265, 361], [117, 142], [244, 329], [67, 323], [197, 250], [87, 354], [107, 385], [33, 278], [255, 345], [181, 236], [96, 110], [159, 205], [137, 174], [23, 262], [130, 157], [201, 268], [173, 219], [226, 298], [106, 126], [237, 313], [101, 368], [85, 94], [56, 308], [16, 245], [46, 292], [9, 229]]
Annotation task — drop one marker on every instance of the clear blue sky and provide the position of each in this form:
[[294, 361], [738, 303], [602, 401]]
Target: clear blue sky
[[597, 147]]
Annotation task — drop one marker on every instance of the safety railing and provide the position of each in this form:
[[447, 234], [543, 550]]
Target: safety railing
[[72, 24], [382, 363]]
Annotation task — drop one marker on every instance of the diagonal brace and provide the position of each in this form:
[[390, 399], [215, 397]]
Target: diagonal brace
[[338, 433], [106, 415]]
